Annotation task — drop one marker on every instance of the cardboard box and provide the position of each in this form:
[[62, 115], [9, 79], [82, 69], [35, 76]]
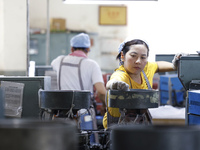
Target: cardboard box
[[58, 24]]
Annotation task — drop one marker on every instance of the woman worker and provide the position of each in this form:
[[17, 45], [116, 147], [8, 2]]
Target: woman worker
[[135, 72]]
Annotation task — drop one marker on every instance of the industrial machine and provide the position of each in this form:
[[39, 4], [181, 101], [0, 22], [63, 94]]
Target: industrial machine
[[188, 71], [32, 134], [160, 137], [133, 105], [1, 104], [67, 105], [40, 70], [30, 102], [64, 104], [59, 101], [189, 75]]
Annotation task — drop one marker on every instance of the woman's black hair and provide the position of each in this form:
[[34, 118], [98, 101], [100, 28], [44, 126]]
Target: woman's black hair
[[127, 45]]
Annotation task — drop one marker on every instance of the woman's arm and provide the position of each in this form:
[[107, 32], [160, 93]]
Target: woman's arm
[[164, 66], [101, 91]]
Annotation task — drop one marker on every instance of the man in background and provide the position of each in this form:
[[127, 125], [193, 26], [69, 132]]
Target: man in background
[[77, 72]]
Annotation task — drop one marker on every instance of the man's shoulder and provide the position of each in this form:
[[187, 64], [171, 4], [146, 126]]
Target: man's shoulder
[[57, 60], [59, 57], [89, 60]]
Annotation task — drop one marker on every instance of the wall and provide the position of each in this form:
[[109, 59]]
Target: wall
[[168, 26], [2, 34], [82, 17], [13, 31], [78, 17]]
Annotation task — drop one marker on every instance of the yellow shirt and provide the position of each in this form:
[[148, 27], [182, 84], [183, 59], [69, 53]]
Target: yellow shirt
[[121, 75]]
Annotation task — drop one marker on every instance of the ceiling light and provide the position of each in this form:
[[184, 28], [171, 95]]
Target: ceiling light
[[100, 1]]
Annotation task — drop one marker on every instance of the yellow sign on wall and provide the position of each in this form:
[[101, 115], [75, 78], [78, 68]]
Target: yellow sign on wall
[[112, 15]]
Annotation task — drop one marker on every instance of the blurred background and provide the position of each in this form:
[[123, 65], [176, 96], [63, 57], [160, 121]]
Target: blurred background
[[168, 26]]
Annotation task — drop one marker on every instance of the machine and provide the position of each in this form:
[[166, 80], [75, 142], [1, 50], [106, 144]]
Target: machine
[[132, 105], [64, 104], [32, 134], [160, 137], [68, 101], [70, 105], [188, 71], [189, 75], [30, 102]]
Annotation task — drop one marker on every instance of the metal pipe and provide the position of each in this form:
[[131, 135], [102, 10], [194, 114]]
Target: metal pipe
[[47, 35], [28, 37]]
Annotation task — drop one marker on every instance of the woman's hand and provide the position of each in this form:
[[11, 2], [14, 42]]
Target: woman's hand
[[117, 85], [176, 58]]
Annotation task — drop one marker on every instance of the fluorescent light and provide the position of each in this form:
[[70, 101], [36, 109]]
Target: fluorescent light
[[100, 1]]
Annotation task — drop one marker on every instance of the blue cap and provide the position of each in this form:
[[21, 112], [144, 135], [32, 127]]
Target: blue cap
[[81, 40], [121, 46]]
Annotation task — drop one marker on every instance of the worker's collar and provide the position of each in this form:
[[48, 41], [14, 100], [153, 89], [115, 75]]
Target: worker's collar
[[78, 53]]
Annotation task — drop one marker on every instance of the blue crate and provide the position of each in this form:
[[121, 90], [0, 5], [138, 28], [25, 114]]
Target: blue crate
[[164, 97], [193, 119], [176, 84], [180, 97], [177, 97], [165, 81], [194, 102], [170, 84]]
